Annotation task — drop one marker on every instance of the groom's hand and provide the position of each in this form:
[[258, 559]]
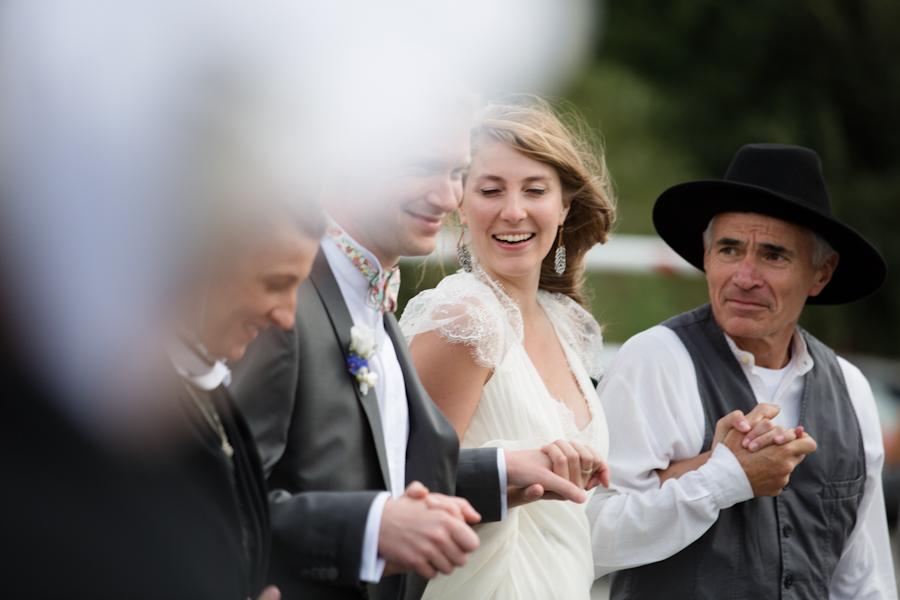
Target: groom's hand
[[530, 476], [454, 505], [427, 540]]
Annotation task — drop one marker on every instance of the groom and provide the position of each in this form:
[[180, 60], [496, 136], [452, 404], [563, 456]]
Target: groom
[[341, 445]]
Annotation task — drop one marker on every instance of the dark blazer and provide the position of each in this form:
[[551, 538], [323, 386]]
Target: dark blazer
[[236, 487], [322, 446], [78, 520]]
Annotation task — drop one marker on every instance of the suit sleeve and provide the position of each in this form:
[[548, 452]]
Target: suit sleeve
[[294, 391], [316, 535], [478, 481], [319, 535]]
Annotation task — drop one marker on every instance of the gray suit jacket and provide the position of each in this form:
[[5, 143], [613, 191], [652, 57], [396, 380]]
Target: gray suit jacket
[[323, 450]]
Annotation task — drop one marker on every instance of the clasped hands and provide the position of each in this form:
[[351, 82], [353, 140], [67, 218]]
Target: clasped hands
[[429, 533], [426, 532], [767, 452]]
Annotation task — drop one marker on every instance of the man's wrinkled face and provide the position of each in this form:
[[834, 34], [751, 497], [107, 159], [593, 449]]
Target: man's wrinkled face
[[759, 273]]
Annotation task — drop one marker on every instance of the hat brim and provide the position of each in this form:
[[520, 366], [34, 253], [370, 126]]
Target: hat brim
[[682, 213]]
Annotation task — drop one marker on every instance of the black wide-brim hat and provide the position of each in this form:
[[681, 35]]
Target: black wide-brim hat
[[784, 182]]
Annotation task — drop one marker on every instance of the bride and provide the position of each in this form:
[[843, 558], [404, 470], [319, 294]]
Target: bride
[[506, 348]]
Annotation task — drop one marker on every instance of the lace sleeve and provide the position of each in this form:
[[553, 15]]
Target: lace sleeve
[[578, 327], [464, 310]]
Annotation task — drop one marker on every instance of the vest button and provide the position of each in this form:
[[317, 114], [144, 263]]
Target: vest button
[[788, 531], [789, 581]]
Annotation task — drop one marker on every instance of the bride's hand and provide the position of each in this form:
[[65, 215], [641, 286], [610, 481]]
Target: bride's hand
[[580, 464]]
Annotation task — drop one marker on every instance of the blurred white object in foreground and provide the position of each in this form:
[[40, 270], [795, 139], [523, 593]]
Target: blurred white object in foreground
[[121, 122], [112, 119]]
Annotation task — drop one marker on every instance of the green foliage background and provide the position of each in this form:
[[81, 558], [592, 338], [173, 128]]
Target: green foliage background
[[676, 88]]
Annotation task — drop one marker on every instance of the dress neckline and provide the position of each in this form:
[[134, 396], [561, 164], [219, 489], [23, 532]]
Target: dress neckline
[[569, 411], [515, 314]]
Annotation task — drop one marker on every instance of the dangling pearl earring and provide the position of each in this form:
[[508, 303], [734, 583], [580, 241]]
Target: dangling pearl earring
[[465, 258], [560, 255]]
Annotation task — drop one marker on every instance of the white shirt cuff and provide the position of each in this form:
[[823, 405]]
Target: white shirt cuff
[[501, 470], [726, 478], [372, 566]]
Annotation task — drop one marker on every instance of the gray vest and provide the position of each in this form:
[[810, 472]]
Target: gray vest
[[782, 547]]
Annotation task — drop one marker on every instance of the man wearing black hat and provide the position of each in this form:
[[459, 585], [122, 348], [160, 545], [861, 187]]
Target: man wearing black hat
[[746, 455]]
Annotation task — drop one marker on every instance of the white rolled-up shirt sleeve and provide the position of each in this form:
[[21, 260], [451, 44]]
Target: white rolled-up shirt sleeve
[[650, 396], [866, 569]]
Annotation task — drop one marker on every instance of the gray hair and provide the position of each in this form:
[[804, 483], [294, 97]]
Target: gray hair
[[820, 246]]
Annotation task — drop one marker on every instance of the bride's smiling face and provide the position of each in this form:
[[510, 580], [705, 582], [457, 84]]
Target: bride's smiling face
[[513, 206]]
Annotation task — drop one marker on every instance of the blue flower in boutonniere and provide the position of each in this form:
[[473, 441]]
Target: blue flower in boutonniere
[[362, 348]]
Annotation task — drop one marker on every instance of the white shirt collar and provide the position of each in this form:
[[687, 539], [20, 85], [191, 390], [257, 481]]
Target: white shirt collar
[[342, 267], [194, 369], [800, 356]]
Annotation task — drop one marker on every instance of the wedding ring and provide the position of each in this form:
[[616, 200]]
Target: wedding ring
[[583, 472]]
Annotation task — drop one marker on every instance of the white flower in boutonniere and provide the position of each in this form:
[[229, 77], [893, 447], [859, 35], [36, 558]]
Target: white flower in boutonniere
[[362, 348], [362, 341]]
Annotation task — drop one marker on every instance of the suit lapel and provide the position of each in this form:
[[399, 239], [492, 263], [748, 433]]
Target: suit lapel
[[341, 321]]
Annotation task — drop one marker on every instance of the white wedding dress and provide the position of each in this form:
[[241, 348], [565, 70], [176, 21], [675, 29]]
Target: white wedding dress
[[542, 550]]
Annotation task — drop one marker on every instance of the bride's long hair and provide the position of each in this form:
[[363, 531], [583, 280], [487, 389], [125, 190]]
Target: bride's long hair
[[560, 138]]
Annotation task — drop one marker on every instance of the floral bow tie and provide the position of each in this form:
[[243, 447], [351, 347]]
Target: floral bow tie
[[385, 285]]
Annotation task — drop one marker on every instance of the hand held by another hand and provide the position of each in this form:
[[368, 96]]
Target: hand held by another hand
[[755, 429], [757, 426], [426, 533], [579, 463], [454, 506], [558, 471], [769, 469], [754, 423]]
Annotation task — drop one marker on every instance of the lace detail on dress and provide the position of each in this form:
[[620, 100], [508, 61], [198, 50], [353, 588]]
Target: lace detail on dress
[[473, 309], [467, 308], [572, 433], [577, 327]]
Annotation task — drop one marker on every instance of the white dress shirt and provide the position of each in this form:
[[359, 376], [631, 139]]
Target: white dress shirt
[[651, 399], [390, 389]]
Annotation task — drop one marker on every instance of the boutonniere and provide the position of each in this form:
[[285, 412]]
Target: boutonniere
[[362, 348]]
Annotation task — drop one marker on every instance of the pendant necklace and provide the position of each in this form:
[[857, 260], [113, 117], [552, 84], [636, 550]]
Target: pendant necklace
[[212, 417]]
